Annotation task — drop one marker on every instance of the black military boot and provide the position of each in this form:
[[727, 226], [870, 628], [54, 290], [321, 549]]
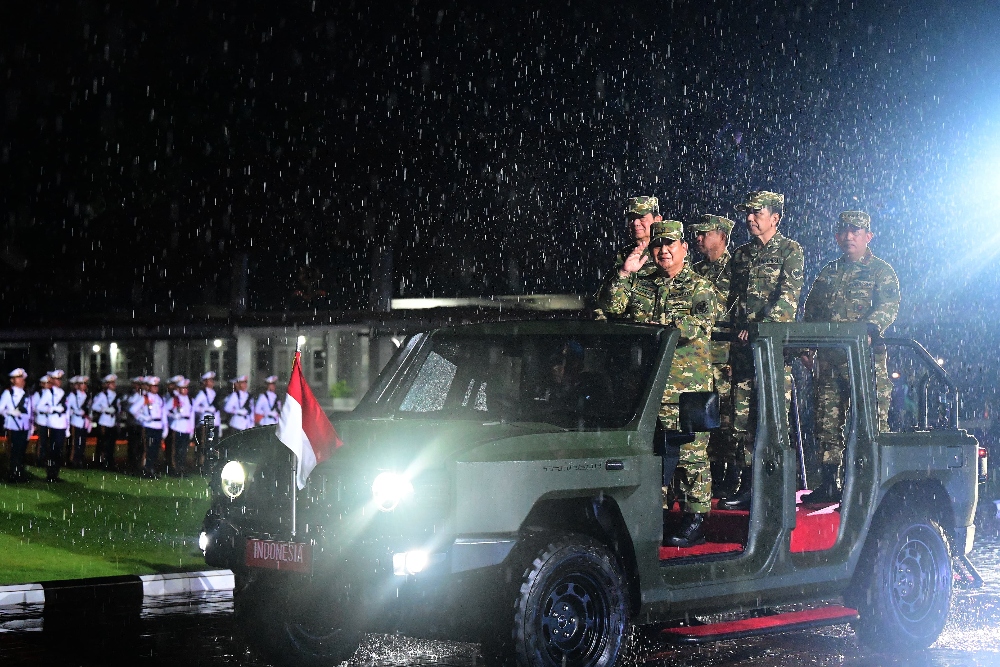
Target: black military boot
[[740, 499], [718, 471], [828, 490], [730, 482], [690, 533]]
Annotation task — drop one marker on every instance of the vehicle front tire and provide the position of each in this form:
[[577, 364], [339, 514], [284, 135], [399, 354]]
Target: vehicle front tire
[[903, 586], [303, 627], [572, 609]]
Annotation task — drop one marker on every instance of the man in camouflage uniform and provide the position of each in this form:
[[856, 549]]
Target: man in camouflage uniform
[[640, 214], [675, 296], [711, 238], [857, 287], [765, 279]]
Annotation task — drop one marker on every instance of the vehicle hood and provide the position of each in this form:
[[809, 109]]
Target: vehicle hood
[[405, 443]]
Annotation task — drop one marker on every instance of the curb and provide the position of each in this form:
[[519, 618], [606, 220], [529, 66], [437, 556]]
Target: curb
[[151, 585]]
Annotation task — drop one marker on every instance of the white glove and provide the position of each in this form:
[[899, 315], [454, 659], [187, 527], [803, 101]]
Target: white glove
[[15, 413], [242, 412], [58, 409]]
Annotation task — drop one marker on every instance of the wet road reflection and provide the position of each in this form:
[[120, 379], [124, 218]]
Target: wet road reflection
[[198, 630]]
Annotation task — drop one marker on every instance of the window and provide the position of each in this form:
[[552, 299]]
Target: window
[[580, 382], [318, 367]]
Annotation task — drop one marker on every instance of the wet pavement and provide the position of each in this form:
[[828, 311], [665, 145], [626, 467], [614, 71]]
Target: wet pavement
[[193, 630]]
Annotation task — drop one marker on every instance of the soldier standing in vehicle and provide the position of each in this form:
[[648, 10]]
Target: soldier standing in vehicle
[[856, 287], [15, 406], [106, 407], [675, 296], [711, 238], [640, 214], [765, 277], [238, 405], [268, 406]]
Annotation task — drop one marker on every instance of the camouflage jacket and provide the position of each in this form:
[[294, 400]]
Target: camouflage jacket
[[715, 272], [687, 302], [647, 269], [862, 291], [765, 281]]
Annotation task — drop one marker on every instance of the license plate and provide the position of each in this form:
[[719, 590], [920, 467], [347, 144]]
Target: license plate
[[275, 555]]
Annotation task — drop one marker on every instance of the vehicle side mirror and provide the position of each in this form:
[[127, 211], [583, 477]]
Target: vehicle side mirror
[[699, 411]]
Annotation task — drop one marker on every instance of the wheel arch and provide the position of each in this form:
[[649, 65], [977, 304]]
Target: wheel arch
[[597, 516], [928, 496]]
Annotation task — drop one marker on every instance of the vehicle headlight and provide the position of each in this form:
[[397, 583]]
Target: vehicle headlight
[[389, 488], [233, 478]]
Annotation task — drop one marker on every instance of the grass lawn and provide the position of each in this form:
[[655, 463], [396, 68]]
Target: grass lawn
[[99, 524]]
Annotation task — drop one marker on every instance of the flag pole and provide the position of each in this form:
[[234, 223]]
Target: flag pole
[[295, 485]]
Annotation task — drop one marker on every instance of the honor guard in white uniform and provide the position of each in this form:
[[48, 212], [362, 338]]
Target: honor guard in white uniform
[[106, 407], [238, 405], [134, 427], [41, 421], [78, 408], [15, 406], [206, 402], [268, 407], [148, 411], [180, 417], [53, 405]]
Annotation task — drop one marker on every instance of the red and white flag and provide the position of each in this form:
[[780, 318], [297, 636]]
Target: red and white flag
[[303, 427]]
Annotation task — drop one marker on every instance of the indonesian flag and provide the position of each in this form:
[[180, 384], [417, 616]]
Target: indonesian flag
[[303, 427]]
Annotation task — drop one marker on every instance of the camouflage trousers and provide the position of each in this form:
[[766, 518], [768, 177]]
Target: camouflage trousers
[[833, 399], [721, 445], [743, 389], [692, 478]]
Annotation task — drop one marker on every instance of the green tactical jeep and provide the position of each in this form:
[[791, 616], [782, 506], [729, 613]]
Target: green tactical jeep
[[504, 483]]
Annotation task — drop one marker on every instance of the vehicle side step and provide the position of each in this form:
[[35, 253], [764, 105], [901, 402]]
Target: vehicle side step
[[760, 625]]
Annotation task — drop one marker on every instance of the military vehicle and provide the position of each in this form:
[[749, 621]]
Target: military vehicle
[[504, 483]]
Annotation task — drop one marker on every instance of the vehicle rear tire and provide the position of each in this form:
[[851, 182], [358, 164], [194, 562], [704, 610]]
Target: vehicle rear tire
[[572, 609], [903, 585], [302, 627]]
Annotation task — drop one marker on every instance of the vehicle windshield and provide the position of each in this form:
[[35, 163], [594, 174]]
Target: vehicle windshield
[[573, 382]]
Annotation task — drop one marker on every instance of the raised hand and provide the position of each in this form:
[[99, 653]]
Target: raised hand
[[635, 261]]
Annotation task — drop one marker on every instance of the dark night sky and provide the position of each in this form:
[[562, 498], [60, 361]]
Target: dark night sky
[[145, 147]]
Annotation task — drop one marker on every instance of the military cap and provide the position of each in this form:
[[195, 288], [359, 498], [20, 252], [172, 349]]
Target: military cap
[[81, 379], [240, 378], [44, 379], [174, 379], [270, 379], [666, 230], [152, 380], [759, 199], [642, 205], [109, 378], [138, 379], [210, 375], [56, 374], [182, 382], [707, 223], [858, 219], [19, 373]]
